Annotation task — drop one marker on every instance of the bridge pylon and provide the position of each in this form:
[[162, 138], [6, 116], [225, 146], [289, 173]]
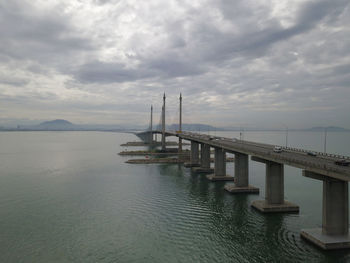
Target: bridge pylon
[[151, 128], [180, 124], [163, 124]]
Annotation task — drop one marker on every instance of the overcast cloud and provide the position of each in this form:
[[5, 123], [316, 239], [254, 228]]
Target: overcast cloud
[[237, 63]]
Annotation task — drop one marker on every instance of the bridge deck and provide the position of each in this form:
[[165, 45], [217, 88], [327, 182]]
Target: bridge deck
[[321, 164]]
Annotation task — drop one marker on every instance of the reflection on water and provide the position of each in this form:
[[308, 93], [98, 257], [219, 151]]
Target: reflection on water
[[68, 197]]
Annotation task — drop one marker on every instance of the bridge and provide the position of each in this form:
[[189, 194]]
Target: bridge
[[334, 233]]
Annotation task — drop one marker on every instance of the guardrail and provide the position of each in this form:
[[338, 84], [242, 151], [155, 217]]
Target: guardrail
[[310, 164], [241, 146], [317, 153], [283, 147]]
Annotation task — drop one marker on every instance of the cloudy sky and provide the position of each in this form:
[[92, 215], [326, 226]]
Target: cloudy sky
[[237, 63]]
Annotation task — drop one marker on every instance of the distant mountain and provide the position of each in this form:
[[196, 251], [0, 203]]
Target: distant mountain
[[64, 125], [329, 128], [56, 125], [55, 122]]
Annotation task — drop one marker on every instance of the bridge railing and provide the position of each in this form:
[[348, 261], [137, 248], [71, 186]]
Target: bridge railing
[[317, 153], [305, 162], [241, 145], [308, 163]]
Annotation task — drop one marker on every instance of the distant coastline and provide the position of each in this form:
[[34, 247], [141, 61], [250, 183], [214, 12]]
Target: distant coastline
[[64, 125]]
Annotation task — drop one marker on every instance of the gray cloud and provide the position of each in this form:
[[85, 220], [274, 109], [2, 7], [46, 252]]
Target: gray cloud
[[13, 81], [235, 60], [28, 33], [102, 72], [254, 41], [212, 45]]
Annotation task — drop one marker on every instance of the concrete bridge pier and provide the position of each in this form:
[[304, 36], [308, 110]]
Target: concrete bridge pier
[[163, 142], [241, 176], [219, 167], [204, 160], [180, 145], [274, 190], [334, 233], [194, 157]]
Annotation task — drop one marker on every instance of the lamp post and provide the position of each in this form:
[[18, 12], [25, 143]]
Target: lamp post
[[151, 127], [286, 127], [180, 123]]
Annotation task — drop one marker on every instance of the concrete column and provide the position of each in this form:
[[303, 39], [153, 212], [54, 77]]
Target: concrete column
[[205, 155], [241, 176], [194, 157], [274, 191], [335, 215], [274, 183], [151, 138], [195, 153], [204, 160], [180, 145], [334, 233], [241, 170], [219, 167], [220, 162]]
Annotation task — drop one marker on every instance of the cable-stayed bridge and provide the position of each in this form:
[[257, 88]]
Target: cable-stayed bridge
[[331, 169]]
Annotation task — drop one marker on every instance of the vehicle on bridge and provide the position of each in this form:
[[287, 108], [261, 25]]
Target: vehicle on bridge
[[277, 149], [311, 153], [342, 162]]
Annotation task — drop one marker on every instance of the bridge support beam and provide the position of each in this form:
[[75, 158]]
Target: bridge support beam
[[274, 191], [194, 161], [205, 160], [241, 176], [334, 233], [219, 167]]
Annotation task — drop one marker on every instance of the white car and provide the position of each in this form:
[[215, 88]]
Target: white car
[[277, 149]]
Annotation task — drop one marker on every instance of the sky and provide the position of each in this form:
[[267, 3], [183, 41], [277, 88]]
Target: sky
[[253, 63]]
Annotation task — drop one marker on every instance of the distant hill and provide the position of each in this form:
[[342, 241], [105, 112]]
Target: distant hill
[[56, 125], [64, 125], [56, 122]]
